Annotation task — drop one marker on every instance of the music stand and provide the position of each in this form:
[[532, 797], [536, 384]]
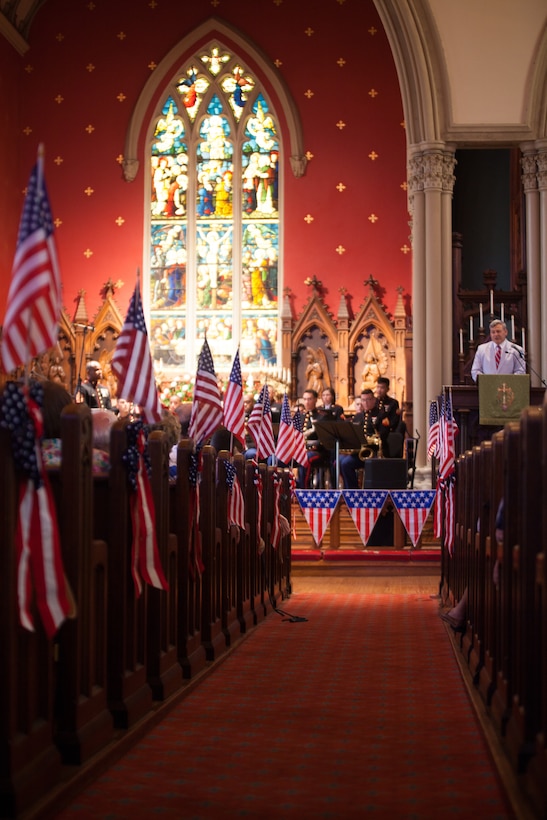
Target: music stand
[[336, 435]]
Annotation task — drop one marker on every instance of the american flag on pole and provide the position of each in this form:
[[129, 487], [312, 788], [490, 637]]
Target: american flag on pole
[[318, 507], [236, 504], [260, 425], [300, 455], [433, 433], [39, 559], [413, 507], [34, 297], [207, 412], [286, 435], [132, 362], [444, 521], [365, 506], [234, 411]]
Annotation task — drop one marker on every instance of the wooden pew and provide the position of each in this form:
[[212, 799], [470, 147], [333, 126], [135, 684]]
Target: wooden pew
[[30, 762], [190, 648], [163, 669], [129, 693], [211, 549], [83, 721], [229, 537], [256, 563], [244, 604]]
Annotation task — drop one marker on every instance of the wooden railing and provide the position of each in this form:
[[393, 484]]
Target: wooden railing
[[63, 701], [504, 642]]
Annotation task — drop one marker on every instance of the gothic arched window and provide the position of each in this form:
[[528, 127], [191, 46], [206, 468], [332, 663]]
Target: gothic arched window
[[214, 153]]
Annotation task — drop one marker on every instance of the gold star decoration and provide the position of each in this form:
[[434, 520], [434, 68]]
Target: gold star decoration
[[121, 36], [27, 131], [152, 4], [88, 253], [341, 62], [405, 249], [121, 97], [373, 155], [90, 128], [373, 218], [340, 124], [57, 222], [29, 69], [119, 221], [119, 159], [308, 93], [215, 3], [89, 191], [91, 6], [152, 65], [60, 37], [372, 31], [59, 99], [90, 67], [309, 31], [403, 124], [277, 2], [373, 93], [308, 155], [308, 218], [404, 186], [340, 187], [340, 250], [278, 63], [340, 2], [58, 161]]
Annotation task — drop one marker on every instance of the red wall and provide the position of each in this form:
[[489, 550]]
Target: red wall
[[66, 38]]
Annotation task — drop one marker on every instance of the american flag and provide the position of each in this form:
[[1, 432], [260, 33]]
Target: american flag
[[207, 412], [318, 507], [234, 411], [365, 506], [261, 427], [236, 504], [34, 298], [413, 507], [300, 455], [132, 362], [286, 436], [444, 521], [433, 433]]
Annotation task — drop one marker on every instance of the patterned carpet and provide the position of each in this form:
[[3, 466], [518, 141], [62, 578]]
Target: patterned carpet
[[359, 711]]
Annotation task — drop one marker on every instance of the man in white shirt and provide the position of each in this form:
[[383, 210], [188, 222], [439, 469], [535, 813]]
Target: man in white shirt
[[498, 355]]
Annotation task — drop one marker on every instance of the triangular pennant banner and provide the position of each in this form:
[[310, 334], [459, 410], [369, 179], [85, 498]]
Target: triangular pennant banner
[[365, 506], [318, 507], [413, 507]]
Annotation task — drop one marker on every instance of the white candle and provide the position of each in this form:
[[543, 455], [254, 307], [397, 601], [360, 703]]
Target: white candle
[[461, 340], [470, 328], [481, 317], [523, 340], [502, 312], [492, 302], [513, 327]]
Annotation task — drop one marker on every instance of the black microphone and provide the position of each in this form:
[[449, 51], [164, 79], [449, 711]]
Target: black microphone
[[519, 350], [84, 327]]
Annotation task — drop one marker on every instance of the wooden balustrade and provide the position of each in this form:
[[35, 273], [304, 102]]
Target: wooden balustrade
[[63, 700]]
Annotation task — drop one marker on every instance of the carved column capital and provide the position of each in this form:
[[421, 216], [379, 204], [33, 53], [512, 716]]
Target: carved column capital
[[529, 172], [130, 169], [298, 166]]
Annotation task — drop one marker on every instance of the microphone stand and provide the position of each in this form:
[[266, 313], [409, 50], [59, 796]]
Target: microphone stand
[[527, 365]]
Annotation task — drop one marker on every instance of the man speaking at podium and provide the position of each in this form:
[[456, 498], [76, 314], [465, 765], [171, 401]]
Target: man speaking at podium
[[498, 356]]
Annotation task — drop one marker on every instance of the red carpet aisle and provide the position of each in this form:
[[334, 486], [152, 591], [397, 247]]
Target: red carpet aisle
[[341, 716]]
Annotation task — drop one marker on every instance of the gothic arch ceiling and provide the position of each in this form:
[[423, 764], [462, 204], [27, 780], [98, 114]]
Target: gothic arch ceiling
[[20, 14]]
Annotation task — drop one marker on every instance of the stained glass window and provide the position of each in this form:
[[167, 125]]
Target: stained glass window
[[214, 218]]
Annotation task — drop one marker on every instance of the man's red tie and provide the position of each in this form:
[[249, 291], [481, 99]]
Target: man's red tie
[[498, 356]]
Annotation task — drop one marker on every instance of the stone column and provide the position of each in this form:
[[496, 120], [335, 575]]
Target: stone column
[[542, 186], [531, 193]]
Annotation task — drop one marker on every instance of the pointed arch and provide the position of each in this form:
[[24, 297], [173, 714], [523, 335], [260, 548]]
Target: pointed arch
[[211, 28]]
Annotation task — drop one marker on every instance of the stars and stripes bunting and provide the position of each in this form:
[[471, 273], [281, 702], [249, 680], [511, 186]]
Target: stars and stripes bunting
[[413, 507], [132, 362], [234, 410], [207, 413], [365, 506], [318, 507], [34, 299]]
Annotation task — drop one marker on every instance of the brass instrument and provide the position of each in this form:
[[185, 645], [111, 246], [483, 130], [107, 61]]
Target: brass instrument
[[372, 448]]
